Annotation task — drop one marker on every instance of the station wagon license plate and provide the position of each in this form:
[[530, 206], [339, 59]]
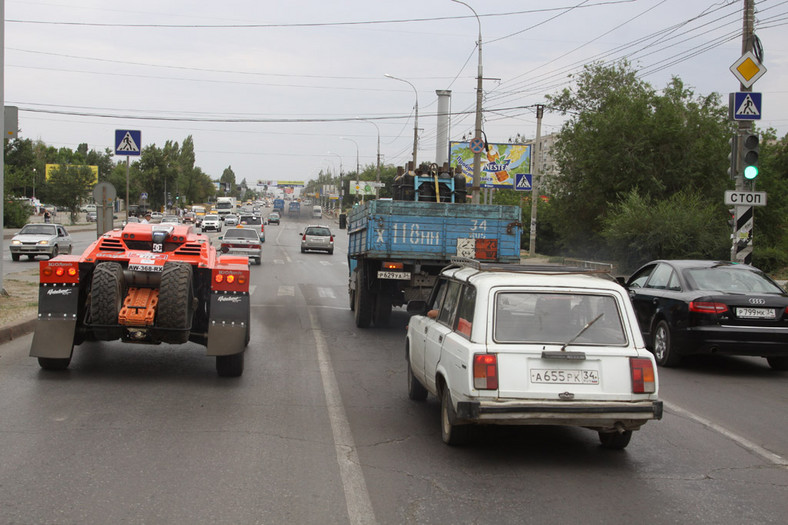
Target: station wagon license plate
[[756, 313], [382, 274], [564, 377]]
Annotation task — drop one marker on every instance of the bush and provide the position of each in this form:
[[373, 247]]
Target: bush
[[770, 260], [16, 213]]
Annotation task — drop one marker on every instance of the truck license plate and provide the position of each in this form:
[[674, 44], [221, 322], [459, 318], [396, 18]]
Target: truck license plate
[[564, 377], [382, 274]]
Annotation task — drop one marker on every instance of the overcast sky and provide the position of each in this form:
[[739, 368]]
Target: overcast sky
[[272, 88]]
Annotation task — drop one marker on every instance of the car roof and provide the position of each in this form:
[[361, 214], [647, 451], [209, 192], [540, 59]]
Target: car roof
[[682, 264], [490, 275]]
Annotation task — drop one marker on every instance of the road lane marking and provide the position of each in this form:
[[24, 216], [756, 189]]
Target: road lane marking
[[359, 506], [285, 290], [742, 441], [326, 292]]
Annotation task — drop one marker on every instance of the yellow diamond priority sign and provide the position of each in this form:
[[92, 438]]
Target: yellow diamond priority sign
[[748, 69]]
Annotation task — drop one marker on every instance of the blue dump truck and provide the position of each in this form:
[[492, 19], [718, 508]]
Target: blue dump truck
[[279, 207], [396, 248], [294, 209]]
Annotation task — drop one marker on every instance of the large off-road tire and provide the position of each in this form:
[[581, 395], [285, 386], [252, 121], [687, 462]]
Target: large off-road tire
[[363, 309], [107, 291], [382, 311], [416, 390], [615, 440], [230, 365], [52, 363], [778, 362], [451, 433], [175, 303], [665, 352]]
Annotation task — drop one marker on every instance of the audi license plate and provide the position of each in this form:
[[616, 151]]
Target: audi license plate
[[756, 313], [383, 274], [564, 377]]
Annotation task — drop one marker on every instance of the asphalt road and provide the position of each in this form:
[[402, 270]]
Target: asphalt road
[[319, 429]]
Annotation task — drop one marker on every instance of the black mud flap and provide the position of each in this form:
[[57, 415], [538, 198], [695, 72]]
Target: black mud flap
[[228, 324], [58, 305]]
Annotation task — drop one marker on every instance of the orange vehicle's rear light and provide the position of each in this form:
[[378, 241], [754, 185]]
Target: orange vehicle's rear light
[[58, 272], [230, 280]]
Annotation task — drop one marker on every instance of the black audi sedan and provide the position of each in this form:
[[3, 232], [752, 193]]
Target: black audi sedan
[[694, 307]]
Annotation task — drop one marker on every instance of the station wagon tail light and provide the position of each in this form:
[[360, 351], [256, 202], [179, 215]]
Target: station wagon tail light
[[485, 371], [392, 265], [644, 380], [707, 307]]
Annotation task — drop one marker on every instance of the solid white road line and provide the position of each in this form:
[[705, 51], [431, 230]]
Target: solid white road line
[[742, 441], [359, 506]]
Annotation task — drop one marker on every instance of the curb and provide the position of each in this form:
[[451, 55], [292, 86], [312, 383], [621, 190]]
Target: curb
[[17, 330]]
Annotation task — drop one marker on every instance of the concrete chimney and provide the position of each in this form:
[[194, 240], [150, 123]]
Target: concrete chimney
[[444, 126]]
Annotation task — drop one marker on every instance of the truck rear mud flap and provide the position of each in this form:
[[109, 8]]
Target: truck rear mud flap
[[228, 328], [58, 306]]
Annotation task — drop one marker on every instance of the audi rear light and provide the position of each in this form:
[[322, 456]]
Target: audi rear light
[[644, 380], [485, 371], [707, 307]]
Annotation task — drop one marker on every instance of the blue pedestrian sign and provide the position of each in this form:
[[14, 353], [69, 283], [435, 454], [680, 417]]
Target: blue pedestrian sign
[[128, 141], [523, 181], [745, 105]]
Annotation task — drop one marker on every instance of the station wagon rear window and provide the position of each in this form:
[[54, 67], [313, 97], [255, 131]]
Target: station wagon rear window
[[524, 317]]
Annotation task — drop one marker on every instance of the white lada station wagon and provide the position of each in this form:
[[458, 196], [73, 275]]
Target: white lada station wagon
[[531, 345]]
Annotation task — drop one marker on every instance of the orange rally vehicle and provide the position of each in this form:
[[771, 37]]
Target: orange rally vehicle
[[146, 283]]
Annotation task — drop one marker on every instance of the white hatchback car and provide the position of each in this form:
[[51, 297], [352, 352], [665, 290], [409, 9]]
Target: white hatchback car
[[531, 345]]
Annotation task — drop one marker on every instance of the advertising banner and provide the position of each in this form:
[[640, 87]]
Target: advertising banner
[[500, 163]]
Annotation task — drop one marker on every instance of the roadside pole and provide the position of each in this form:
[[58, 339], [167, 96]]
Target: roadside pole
[[2, 119], [535, 178]]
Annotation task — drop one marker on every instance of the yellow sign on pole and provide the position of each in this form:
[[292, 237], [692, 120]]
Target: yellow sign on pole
[[748, 69]]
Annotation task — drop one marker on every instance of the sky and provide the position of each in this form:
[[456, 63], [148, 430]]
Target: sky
[[284, 90]]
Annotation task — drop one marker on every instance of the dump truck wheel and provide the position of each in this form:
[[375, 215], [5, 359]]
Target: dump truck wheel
[[175, 303], [107, 290], [363, 310]]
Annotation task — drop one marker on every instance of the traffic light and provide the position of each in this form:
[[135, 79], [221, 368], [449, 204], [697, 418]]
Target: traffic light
[[733, 156], [750, 151]]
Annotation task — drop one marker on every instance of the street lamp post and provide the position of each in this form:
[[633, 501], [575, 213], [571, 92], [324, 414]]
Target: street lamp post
[[416, 117], [477, 157], [377, 167], [341, 189], [358, 166]]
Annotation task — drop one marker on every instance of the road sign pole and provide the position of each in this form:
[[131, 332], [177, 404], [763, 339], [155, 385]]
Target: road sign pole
[[127, 188]]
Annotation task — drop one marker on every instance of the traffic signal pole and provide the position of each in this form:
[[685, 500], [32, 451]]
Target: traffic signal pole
[[742, 246]]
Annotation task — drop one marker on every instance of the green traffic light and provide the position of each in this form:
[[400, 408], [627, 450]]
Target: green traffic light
[[750, 172]]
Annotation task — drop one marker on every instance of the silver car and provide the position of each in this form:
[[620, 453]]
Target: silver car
[[231, 220], [317, 237], [40, 239], [242, 241]]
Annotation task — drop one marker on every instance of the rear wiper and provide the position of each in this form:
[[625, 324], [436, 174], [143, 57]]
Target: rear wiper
[[582, 331]]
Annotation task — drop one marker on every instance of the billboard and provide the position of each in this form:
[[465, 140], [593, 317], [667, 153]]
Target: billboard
[[500, 163]]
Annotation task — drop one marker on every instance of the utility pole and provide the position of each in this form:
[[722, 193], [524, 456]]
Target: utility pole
[[535, 158], [742, 245], [2, 119]]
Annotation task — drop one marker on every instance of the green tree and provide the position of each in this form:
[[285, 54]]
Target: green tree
[[623, 135], [69, 186], [228, 178], [682, 226]]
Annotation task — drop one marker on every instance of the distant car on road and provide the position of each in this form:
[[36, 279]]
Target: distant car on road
[[242, 241], [170, 219], [317, 237], [254, 222], [695, 306], [156, 217], [273, 218], [230, 220], [211, 223], [40, 239], [91, 216]]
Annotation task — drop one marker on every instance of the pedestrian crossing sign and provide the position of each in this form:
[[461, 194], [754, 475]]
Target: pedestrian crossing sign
[[128, 141], [522, 181], [745, 105]]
